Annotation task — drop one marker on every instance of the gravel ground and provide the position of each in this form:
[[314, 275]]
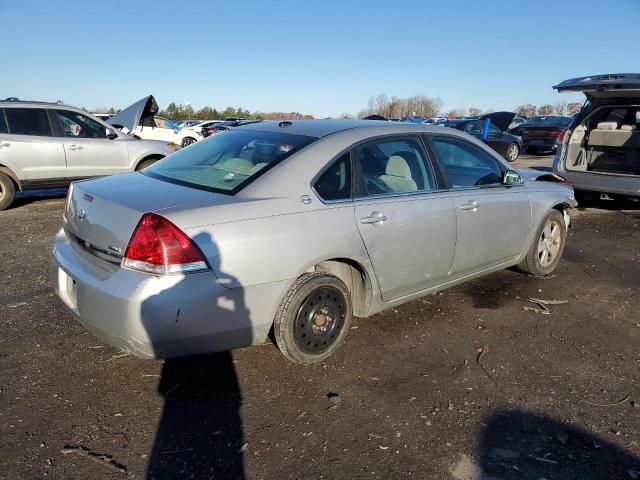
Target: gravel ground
[[460, 385]]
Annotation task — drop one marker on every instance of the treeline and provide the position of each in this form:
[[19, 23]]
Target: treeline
[[177, 112], [423, 106], [559, 108]]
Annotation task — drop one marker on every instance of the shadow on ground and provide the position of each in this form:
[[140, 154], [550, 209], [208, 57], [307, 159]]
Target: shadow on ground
[[200, 432], [523, 445]]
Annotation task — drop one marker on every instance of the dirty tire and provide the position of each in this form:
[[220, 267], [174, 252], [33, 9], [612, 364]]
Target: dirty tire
[[7, 191], [145, 163], [535, 263], [313, 318]]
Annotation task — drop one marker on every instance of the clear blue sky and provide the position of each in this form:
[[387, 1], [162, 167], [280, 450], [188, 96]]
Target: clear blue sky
[[320, 57]]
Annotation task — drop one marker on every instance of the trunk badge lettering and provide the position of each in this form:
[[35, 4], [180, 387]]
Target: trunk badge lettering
[[87, 197]]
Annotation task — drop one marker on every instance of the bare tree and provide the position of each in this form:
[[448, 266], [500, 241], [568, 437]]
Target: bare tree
[[473, 111], [546, 109], [394, 107], [573, 108], [560, 108], [526, 110]]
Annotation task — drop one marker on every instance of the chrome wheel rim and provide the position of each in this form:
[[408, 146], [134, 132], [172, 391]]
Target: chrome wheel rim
[[513, 152], [549, 243], [320, 320], [187, 142]]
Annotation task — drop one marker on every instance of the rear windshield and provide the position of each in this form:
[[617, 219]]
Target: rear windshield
[[556, 122], [228, 161]]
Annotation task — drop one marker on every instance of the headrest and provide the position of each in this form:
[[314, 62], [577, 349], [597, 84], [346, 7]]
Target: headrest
[[398, 167], [607, 126], [627, 128]]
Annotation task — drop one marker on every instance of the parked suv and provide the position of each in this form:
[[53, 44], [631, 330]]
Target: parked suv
[[601, 150], [48, 145]]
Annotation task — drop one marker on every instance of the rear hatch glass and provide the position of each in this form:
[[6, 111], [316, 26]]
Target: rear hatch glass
[[228, 161]]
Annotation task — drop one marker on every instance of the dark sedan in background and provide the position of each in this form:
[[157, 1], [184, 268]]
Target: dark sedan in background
[[545, 135], [504, 143]]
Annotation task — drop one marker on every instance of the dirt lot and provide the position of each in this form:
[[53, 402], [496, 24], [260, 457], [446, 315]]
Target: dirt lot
[[460, 385]]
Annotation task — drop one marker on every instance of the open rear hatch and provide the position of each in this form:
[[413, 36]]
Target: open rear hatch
[[617, 85], [101, 215]]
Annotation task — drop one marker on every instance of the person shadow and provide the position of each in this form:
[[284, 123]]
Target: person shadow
[[200, 433], [516, 444]]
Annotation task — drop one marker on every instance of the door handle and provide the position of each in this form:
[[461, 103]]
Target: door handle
[[376, 218], [472, 205], [73, 147]]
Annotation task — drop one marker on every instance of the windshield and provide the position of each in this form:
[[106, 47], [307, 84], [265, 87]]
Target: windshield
[[228, 161]]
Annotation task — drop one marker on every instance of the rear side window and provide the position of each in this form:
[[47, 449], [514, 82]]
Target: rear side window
[[335, 182], [3, 122], [28, 121], [228, 161], [392, 166], [467, 165]]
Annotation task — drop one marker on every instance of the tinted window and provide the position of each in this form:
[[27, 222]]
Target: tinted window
[[335, 182], [227, 161], [394, 166], [77, 125], [476, 128], [3, 122], [465, 164], [28, 121]]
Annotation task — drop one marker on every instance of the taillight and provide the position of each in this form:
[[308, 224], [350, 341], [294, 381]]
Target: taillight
[[561, 136], [158, 246]]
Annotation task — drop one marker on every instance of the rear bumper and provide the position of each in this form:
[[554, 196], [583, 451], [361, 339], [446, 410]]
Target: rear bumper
[[542, 143], [152, 316]]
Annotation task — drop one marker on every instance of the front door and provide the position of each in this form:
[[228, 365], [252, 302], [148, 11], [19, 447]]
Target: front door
[[493, 220], [406, 224], [89, 152]]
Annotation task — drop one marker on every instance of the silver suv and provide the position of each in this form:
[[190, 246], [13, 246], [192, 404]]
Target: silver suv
[[49, 145]]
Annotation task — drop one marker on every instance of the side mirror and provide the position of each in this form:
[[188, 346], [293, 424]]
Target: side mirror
[[511, 177], [111, 133]]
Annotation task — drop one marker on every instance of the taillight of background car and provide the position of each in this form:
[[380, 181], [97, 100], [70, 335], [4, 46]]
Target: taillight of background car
[[157, 246]]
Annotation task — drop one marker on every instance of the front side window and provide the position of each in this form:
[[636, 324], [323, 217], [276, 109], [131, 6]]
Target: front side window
[[467, 165], [394, 166], [335, 182], [227, 161], [28, 121], [78, 125]]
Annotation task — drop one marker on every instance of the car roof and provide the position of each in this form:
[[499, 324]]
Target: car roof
[[322, 128], [33, 103]]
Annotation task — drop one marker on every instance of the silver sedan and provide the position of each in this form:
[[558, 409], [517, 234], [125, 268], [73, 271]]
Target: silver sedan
[[296, 227]]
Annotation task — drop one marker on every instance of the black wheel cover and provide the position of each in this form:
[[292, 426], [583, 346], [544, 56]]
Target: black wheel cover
[[319, 320]]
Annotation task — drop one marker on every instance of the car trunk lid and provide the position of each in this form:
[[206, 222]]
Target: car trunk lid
[[101, 215], [617, 85]]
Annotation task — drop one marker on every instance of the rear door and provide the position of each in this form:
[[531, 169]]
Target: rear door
[[407, 224], [88, 150], [28, 145], [493, 220]]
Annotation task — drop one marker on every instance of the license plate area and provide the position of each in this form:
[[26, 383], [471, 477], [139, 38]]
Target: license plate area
[[68, 288]]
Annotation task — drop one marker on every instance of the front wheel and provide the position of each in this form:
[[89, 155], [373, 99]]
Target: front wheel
[[188, 141], [7, 191], [547, 247], [313, 318], [513, 152]]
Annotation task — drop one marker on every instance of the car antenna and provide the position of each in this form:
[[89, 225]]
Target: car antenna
[[285, 124]]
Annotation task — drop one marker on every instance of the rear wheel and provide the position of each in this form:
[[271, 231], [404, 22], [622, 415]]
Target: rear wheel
[[313, 318], [547, 247], [513, 151], [7, 191]]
